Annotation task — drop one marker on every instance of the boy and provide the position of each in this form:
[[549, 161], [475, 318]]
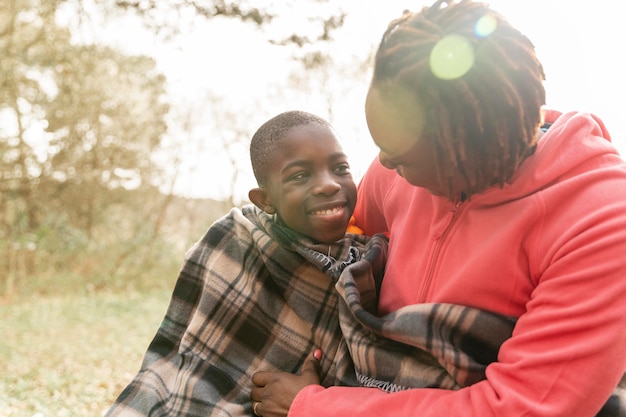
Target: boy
[[257, 291]]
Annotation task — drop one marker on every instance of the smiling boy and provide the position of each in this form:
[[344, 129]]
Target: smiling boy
[[304, 178], [257, 291]]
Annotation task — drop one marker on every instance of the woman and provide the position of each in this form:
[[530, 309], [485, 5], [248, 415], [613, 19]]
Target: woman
[[486, 211]]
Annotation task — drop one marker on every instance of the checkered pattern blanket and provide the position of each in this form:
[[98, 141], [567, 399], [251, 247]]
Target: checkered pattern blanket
[[425, 345], [252, 295]]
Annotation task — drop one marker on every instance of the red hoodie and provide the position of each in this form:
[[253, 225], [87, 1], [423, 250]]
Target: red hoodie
[[548, 248]]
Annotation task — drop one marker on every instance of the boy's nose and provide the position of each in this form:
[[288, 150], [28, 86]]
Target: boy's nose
[[327, 184]]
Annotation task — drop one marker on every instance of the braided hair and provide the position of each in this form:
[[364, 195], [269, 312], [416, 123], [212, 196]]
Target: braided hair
[[479, 83], [269, 135]]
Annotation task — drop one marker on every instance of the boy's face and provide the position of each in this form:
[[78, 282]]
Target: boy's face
[[309, 185]]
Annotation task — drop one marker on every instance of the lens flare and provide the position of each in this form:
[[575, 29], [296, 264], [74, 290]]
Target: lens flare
[[451, 57], [485, 26]]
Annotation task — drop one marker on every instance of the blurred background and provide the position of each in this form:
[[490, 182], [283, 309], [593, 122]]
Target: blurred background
[[124, 131]]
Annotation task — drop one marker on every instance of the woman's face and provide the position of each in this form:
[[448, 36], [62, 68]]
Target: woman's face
[[396, 125]]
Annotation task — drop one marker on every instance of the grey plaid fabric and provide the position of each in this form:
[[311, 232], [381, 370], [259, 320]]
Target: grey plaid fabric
[[252, 295], [425, 345]]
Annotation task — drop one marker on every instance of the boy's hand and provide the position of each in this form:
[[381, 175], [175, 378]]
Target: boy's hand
[[274, 392]]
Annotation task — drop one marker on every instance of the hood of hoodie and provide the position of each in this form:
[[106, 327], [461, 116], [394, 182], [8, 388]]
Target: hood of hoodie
[[572, 140]]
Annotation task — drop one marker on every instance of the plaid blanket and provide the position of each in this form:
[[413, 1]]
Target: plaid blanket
[[251, 295], [425, 345]]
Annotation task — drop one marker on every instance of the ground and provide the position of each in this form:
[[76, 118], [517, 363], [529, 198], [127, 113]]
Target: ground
[[71, 356]]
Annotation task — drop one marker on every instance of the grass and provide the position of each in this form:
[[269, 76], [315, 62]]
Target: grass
[[71, 356]]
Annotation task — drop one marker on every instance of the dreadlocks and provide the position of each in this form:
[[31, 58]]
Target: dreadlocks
[[481, 113]]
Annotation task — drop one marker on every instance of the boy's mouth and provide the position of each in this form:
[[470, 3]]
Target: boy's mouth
[[328, 211]]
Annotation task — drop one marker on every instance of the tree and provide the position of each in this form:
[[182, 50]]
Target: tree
[[105, 122], [28, 39], [83, 114], [165, 17], [79, 122]]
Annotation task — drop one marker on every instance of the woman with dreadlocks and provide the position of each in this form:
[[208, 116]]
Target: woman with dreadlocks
[[498, 212]]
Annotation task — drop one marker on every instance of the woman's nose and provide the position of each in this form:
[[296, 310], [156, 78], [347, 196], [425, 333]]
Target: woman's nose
[[386, 162]]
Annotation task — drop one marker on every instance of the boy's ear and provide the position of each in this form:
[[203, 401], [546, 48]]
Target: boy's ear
[[259, 197]]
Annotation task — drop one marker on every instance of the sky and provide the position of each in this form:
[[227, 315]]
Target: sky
[[580, 44]]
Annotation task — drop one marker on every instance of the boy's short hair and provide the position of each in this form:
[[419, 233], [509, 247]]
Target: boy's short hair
[[268, 137]]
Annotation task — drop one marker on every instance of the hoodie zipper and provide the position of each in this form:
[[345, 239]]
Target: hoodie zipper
[[437, 250]]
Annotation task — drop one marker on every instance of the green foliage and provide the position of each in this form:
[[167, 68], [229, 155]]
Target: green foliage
[[137, 242]]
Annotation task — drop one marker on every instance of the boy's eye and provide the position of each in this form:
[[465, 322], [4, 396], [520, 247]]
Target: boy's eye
[[298, 176], [342, 169]]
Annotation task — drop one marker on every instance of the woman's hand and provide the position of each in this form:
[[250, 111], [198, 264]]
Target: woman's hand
[[273, 392]]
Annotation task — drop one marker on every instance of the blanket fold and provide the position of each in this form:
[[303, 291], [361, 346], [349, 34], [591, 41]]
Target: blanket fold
[[425, 345]]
